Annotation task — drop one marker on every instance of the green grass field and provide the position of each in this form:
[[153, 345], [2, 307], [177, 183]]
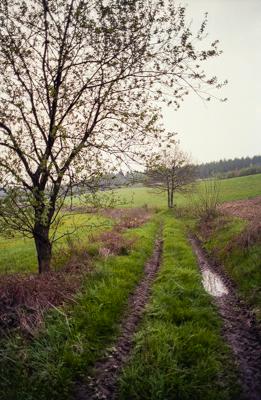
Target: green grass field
[[245, 187], [179, 353], [230, 189], [18, 254]]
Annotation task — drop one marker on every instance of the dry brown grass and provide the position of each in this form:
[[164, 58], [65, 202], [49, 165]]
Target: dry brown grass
[[25, 298], [249, 237], [247, 209], [126, 218], [113, 243]]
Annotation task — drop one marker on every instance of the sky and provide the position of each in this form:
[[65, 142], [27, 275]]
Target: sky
[[214, 130]]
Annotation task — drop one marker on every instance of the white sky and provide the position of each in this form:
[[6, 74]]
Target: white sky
[[214, 130]]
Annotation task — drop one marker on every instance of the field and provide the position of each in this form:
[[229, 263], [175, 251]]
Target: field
[[230, 189], [18, 254], [126, 313]]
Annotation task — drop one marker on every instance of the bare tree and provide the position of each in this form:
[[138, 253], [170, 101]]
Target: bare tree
[[79, 82], [170, 171]]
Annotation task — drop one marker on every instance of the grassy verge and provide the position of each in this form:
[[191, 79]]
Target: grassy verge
[[74, 336], [243, 264], [179, 352]]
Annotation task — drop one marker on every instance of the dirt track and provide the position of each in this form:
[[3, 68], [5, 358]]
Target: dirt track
[[239, 329], [103, 383], [239, 326]]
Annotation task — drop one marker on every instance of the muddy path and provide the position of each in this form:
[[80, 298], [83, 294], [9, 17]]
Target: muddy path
[[239, 325], [103, 382]]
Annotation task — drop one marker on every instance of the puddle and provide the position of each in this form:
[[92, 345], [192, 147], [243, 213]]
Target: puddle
[[213, 284]]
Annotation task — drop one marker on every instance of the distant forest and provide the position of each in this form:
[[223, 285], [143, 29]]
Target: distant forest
[[230, 168], [221, 169]]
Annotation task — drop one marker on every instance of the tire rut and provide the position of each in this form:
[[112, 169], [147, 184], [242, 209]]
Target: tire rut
[[102, 385], [239, 325]]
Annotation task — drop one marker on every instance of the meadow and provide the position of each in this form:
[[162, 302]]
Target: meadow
[[18, 254], [230, 189]]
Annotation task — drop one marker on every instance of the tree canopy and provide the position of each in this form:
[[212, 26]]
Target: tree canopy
[[81, 84], [170, 170]]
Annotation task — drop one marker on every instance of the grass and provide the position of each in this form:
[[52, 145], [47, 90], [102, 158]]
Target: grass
[[230, 189], [244, 187], [242, 264], [74, 336], [179, 353], [18, 254]]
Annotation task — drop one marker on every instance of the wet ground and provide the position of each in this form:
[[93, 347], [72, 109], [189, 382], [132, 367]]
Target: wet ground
[[213, 283], [239, 328], [239, 325], [102, 385]]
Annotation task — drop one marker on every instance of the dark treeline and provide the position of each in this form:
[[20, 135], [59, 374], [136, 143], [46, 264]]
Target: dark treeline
[[230, 168]]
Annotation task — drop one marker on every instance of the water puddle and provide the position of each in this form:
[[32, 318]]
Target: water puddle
[[213, 284]]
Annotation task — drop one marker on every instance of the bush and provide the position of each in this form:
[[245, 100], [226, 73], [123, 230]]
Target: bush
[[205, 205]]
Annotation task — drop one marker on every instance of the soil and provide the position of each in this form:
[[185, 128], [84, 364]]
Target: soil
[[246, 209], [239, 325], [103, 382]]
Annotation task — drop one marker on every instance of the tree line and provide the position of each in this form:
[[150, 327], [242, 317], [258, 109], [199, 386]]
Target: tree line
[[221, 169], [230, 168]]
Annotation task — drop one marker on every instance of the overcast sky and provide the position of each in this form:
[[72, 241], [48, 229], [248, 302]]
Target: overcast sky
[[215, 130]]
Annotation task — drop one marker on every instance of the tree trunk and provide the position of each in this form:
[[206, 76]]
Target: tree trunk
[[172, 198], [168, 198], [43, 247]]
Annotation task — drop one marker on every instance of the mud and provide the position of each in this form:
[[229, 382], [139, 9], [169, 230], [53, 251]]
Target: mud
[[239, 325], [102, 385]]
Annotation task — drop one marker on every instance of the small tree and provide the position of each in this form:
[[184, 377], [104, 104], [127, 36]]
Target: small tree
[[79, 81], [170, 171]]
